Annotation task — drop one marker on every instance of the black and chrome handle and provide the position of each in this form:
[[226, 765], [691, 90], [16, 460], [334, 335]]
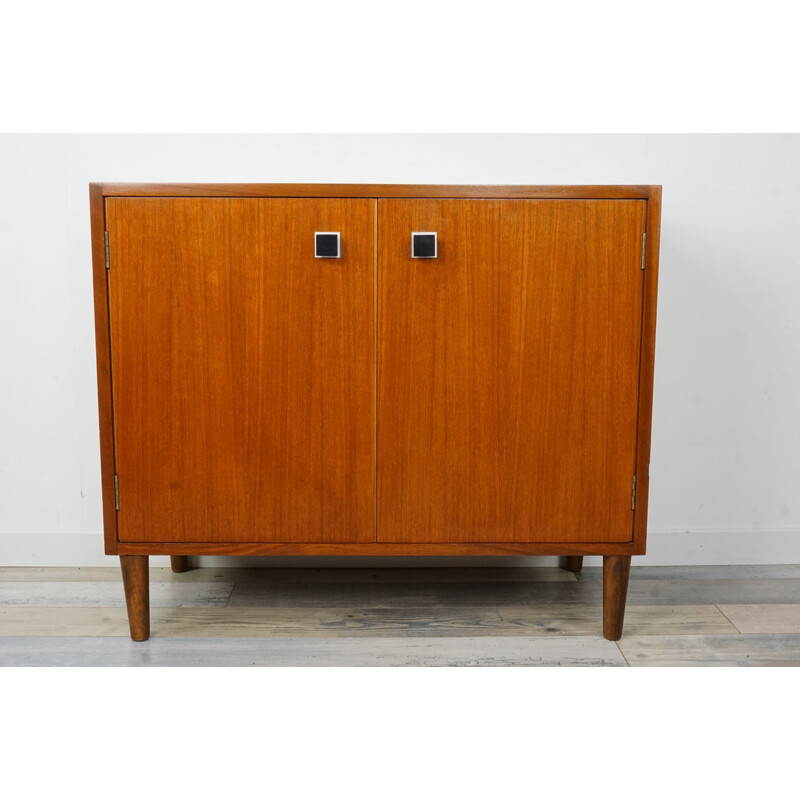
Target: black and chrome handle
[[327, 244], [423, 244]]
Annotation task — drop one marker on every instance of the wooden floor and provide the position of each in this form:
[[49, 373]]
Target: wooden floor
[[677, 616]]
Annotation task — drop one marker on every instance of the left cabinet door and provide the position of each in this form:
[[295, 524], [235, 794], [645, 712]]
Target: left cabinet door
[[242, 369]]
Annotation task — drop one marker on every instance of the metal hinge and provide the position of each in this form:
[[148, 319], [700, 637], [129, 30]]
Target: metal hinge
[[644, 247], [633, 494], [108, 260], [116, 491]]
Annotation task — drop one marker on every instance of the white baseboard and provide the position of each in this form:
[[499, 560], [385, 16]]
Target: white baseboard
[[665, 547]]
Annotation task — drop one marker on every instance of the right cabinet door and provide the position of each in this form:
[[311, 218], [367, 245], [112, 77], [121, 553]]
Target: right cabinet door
[[508, 370]]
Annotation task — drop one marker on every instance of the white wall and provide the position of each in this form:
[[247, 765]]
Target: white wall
[[725, 472]]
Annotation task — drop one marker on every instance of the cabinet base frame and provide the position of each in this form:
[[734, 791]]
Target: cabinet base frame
[[376, 549], [136, 580]]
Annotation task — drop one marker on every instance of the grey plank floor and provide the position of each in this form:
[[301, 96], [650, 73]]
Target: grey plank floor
[[676, 616], [462, 651]]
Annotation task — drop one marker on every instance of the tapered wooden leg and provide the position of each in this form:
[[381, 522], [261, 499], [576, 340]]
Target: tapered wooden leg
[[574, 563], [616, 570], [180, 563], [136, 580]]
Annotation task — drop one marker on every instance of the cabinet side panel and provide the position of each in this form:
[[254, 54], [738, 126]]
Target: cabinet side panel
[[243, 367], [646, 369], [103, 355], [508, 370]]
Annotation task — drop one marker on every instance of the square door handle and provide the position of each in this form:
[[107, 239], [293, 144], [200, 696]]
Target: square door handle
[[326, 244], [423, 244]]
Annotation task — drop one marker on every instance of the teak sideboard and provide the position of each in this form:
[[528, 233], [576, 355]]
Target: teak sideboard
[[375, 370]]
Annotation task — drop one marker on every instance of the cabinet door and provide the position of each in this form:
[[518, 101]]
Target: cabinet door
[[243, 366], [508, 370]]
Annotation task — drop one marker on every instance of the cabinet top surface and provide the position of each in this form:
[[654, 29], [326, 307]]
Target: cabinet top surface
[[370, 190]]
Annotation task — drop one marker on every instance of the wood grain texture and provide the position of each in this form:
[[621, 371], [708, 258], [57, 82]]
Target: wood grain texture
[[416, 594], [392, 574], [103, 360], [671, 590], [495, 605], [136, 580], [578, 619], [574, 563], [764, 618], [32, 594], [110, 574], [768, 650], [331, 574], [378, 548], [368, 190], [243, 370], [464, 651], [205, 529], [551, 619], [508, 370], [741, 572]]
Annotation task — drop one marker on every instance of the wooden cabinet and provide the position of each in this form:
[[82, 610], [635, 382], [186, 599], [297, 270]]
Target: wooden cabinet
[[256, 398]]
